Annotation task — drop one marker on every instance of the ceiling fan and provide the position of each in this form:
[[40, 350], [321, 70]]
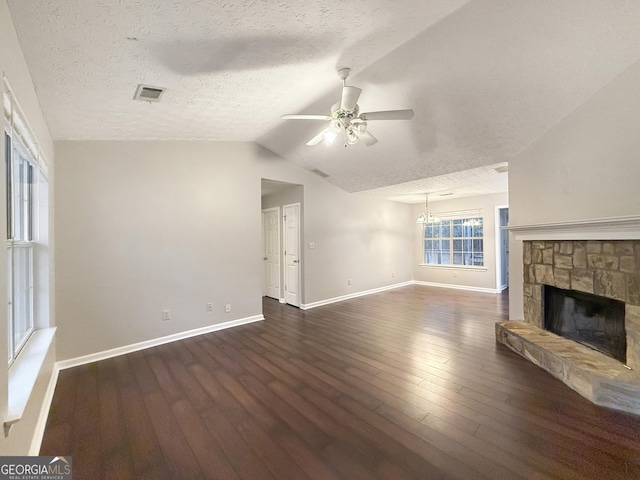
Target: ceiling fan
[[346, 117]]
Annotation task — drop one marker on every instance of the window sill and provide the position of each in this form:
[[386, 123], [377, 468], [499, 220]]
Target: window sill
[[24, 373], [454, 267]]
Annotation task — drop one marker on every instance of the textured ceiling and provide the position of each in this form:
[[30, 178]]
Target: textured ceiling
[[486, 78], [467, 183]]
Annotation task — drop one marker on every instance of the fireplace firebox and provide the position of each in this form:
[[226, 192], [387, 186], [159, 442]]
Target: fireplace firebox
[[593, 320]]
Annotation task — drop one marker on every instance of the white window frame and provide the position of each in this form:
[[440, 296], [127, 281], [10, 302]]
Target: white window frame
[[23, 147], [21, 222], [469, 216]]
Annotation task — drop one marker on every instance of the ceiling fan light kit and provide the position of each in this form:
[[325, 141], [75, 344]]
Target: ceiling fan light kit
[[346, 117]]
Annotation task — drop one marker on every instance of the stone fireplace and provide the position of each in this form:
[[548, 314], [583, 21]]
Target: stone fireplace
[[588, 270]]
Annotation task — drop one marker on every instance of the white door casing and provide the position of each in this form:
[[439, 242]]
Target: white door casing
[[292, 254], [502, 248], [271, 250]]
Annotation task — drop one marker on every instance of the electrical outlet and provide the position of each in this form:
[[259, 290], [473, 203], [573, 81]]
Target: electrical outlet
[[209, 307], [312, 245], [166, 315], [227, 307], [349, 282]]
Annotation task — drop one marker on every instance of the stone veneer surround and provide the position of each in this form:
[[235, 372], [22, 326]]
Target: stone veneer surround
[[608, 268]]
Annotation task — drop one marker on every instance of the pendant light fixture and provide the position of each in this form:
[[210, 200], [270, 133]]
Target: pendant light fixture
[[426, 216]]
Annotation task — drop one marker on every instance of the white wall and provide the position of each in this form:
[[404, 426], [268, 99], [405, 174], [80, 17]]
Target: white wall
[[459, 277], [13, 65], [147, 226], [587, 167]]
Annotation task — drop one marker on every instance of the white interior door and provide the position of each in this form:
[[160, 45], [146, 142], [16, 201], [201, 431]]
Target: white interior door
[[271, 245], [292, 254]]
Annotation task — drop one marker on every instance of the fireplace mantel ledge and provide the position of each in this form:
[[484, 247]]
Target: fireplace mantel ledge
[[612, 228]]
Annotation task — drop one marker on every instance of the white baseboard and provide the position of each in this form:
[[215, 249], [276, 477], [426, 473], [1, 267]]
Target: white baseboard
[[114, 352], [307, 306], [456, 287]]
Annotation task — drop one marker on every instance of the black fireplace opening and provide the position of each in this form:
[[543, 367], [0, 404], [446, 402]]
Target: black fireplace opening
[[594, 321]]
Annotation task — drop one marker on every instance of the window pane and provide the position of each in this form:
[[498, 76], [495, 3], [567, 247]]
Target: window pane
[[457, 259], [446, 229], [428, 231], [477, 245], [457, 245], [446, 258], [457, 228], [22, 293], [10, 302], [20, 289]]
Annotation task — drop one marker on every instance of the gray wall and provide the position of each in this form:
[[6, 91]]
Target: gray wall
[[148, 226], [460, 277], [587, 167]]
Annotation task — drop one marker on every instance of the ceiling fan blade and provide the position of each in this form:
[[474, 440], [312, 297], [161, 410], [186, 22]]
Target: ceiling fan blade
[[388, 115], [318, 138], [305, 117], [368, 139], [350, 97]]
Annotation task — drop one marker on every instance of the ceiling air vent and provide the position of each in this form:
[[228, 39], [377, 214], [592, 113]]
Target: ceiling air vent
[[320, 172], [502, 169], [147, 93]]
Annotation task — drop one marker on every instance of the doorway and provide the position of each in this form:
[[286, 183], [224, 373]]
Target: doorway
[[282, 213], [502, 248]]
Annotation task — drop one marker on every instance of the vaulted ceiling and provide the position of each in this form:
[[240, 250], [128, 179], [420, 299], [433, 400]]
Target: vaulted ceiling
[[486, 78]]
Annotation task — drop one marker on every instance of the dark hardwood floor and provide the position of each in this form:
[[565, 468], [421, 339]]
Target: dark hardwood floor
[[405, 384]]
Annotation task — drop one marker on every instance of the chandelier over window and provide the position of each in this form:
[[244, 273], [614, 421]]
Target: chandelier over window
[[427, 216]]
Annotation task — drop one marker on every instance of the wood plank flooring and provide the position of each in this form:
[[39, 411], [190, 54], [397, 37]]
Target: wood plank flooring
[[404, 384]]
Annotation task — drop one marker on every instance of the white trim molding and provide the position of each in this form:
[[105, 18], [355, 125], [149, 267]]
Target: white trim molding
[[341, 298], [470, 268], [457, 287], [612, 228], [114, 352]]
